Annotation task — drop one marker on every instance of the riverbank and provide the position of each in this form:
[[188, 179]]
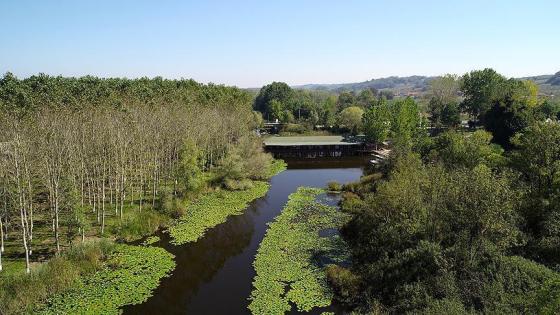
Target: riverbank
[[95, 277]]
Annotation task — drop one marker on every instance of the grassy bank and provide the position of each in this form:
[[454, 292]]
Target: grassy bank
[[96, 277], [292, 258], [128, 276]]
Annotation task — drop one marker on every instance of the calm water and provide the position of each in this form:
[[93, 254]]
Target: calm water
[[215, 274]]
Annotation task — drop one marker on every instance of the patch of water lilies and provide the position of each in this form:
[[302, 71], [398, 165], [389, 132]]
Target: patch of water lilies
[[151, 240], [129, 277], [291, 258], [213, 209]]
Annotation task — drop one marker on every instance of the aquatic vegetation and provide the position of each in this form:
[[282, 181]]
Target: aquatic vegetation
[[129, 276], [213, 209], [151, 240], [291, 259], [277, 166]]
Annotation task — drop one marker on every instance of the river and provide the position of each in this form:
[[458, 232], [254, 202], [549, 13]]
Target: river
[[214, 275]]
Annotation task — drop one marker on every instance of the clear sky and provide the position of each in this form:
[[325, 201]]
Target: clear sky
[[251, 43]]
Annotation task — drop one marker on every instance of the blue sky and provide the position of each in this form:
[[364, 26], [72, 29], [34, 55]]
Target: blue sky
[[251, 43]]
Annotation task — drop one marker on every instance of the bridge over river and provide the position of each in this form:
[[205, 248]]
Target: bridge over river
[[315, 146]]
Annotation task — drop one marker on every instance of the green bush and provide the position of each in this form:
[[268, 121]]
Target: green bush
[[346, 285], [243, 184], [334, 186], [351, 203], [139, 224], [293, 128], [20, 293]]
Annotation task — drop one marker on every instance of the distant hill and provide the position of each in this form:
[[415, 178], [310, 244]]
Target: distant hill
[[554, 80], [397, 84], [418, 85]]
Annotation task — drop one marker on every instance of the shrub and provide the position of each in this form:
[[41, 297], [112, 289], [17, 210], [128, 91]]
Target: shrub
[[293, 128], [345, 284], [242, 184], [334, 186], [139, 224], [20, 293], [351, 203]]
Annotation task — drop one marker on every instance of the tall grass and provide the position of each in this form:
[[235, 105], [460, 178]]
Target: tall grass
[[20, 293]]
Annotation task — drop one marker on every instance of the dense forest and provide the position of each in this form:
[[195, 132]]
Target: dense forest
[[466, 220], [86, 157]]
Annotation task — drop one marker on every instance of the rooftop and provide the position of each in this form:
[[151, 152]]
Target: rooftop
[[311, 140]]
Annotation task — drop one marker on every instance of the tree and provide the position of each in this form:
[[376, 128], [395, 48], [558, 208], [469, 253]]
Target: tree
[[377, 122], [366, 97], [537, 157], [445, 89], [511, 112], [345, 100], [481, 88], [405, 121], [456, 149], [550, 109], [444, 105], [329, 110], [351, 118], [428, 233], [276, 91]]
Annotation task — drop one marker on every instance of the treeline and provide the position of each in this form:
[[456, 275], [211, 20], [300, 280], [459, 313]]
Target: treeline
[[307, 109], [75, 151], [466, 221], [480, 97]]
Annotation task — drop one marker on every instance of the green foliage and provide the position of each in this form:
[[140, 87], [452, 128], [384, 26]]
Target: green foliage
[[137, 225], [273, 99], [351, 119], [512, 112], [443, 105], [346, 285], [129, 276], [189, 169], [212, 209], [377, 122], [245, 160], [276, 167], [334, 186], [293, 128], [444, 115], [405, 122], [43, 91], [550, 109], [21, 293], [480, 88], [430, 233], [286, 262], [151, 240], [537, 157], [456, 149], [548, 298]]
